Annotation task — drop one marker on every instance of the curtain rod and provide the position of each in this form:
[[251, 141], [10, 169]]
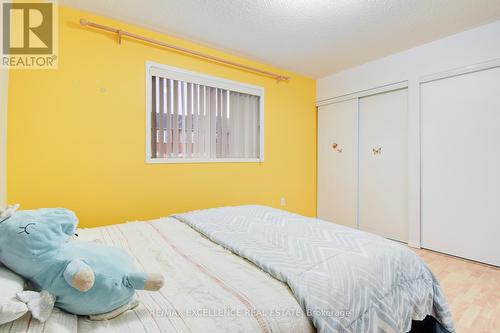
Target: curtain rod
[[122, 33]]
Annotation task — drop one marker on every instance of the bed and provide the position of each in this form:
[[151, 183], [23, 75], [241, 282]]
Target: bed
[[258, 269]]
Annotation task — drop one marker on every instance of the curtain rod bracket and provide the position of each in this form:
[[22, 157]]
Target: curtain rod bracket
[[121, 33]]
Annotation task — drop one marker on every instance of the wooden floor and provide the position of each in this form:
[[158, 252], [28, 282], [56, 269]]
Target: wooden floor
[[472, 291]]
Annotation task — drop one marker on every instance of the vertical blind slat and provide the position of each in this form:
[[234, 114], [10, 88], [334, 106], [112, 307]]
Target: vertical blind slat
[[183, 118], [254, 121], [212, 136], [153, 118], [202, 123], [257, 126], [157, 102], [251, 121], [237, 126], [189, 121], [219, 123], [224, 151], [161, 152], [196, 110], [175, 127], [243, 129], [208, 122], [231, 126], [169, 101]]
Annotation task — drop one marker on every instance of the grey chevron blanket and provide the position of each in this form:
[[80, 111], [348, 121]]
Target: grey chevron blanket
[[346, 280]]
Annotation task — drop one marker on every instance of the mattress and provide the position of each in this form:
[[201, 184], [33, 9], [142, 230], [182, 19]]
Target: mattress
[[207, 289]]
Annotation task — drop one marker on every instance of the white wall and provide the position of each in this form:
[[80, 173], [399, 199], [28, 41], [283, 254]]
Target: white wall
[[466, 48], [4, 77], [471, 47]]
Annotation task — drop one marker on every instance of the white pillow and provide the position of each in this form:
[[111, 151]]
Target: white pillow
[[10, 285], [7, 212]]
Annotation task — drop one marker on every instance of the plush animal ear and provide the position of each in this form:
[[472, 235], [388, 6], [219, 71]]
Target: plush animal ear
[[69, 227], [65, 218], [69, 223]]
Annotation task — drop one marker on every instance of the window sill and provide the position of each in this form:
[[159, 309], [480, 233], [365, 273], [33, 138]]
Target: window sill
[[201, 160]]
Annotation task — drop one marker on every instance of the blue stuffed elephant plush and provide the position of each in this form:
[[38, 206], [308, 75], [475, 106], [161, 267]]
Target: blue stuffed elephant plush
[[86, 278]]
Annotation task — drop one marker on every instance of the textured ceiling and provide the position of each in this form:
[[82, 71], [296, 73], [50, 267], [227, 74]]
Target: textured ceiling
[[311, 37]]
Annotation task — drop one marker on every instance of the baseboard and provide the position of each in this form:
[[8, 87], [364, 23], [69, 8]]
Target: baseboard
[[414, 244]]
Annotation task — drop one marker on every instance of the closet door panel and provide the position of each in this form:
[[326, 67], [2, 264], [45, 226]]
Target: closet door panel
[[337, 176], [383, 164], [461, 165]]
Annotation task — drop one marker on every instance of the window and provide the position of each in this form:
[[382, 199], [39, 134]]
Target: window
[[196, 118]]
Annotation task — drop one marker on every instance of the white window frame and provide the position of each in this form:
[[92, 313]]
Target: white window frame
[[156, 69]]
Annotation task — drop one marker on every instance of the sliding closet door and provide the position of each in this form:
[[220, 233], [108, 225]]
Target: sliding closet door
[[383, 164], [461, 165], [337, 149]]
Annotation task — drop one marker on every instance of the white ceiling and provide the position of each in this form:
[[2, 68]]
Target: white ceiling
[[311, 37]]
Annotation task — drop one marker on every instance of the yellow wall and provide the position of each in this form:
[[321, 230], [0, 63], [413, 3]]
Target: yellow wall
[[4, 79], [76, 135]]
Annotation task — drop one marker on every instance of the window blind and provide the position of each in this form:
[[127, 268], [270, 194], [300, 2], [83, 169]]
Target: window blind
[[193, 121]]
